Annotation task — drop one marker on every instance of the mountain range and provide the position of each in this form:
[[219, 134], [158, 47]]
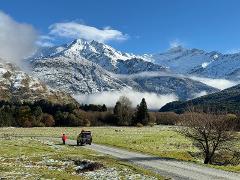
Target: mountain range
[[86, 67], [177, 59], [90, 67], [199, 62]]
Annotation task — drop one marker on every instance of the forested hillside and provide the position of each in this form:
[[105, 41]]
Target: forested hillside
[[227, 100]]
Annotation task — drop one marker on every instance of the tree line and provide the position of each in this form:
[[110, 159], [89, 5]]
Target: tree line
[[45, 113], [125, 115]]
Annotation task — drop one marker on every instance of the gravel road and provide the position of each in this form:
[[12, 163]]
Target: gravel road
[[169, 168]]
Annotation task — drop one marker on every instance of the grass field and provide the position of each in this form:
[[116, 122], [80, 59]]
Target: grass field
[[29, 158], [163, 141]]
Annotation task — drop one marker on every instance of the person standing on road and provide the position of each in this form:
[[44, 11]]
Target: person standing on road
[[64, 138]]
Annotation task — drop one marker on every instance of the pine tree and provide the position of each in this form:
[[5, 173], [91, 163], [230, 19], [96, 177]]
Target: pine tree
[[142, 115], [104, 108]]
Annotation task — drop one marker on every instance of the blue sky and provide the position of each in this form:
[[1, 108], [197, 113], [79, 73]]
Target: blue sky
[[145, 26]]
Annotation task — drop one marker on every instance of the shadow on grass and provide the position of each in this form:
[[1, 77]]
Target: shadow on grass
[[73, 145], [60, 144]]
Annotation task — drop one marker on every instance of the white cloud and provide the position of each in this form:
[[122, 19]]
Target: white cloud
[[154, 101], [217, 83], [45, 41], [145, 74], [45, 44], [17, 40], [77, 30], [175, 43], [202, 93]]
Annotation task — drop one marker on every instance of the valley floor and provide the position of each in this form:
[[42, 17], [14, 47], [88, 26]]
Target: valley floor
[[31, 158], [160, 141]]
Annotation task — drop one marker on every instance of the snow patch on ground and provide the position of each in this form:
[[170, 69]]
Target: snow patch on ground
[[115, 174]]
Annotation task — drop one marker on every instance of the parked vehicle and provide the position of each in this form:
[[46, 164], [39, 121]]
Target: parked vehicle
[[85, 137]]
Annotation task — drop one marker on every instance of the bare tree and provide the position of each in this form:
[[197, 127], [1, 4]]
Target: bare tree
[[210, 132]]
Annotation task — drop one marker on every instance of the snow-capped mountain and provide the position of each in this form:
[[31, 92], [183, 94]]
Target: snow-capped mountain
[[177, 60], [183, 61], [90, 67], [16, 85], [199, 63], [226, 66], [101, 54]]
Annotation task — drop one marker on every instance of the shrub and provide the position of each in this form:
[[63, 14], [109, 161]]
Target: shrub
[[152, 118], [48, 120], [151, 124], [167, 118], [139, 125], [86, 123]]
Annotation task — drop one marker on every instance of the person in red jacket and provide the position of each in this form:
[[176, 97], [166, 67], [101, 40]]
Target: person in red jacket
[[64, 138]]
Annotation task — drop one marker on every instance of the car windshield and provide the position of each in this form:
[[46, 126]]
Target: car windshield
[[87, 135]]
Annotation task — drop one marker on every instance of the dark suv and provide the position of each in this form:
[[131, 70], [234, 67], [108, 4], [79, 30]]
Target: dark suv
[[85, 137]]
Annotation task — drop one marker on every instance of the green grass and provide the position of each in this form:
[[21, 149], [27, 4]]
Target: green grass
[[33, 159], [162, 141]]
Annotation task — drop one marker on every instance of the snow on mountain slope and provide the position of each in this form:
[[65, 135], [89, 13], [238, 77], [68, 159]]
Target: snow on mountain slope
[[199, 63], [48, 51], [16, 85], [181, 60], [137, 65], [94, 51], [227, 66], [75, 75], [101, 54], [182, 87]]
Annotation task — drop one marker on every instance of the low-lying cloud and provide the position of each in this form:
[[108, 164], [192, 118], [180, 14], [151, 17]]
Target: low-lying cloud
[[154, 101], [76, 30], [202, 93], [17, 40], [216, 83]]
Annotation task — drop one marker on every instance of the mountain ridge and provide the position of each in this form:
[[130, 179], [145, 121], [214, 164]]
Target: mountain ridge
[[178, 59], [90, 67]]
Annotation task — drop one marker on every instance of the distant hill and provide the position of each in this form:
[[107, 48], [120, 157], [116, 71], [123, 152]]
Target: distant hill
[[16, 85], [226, 100]]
